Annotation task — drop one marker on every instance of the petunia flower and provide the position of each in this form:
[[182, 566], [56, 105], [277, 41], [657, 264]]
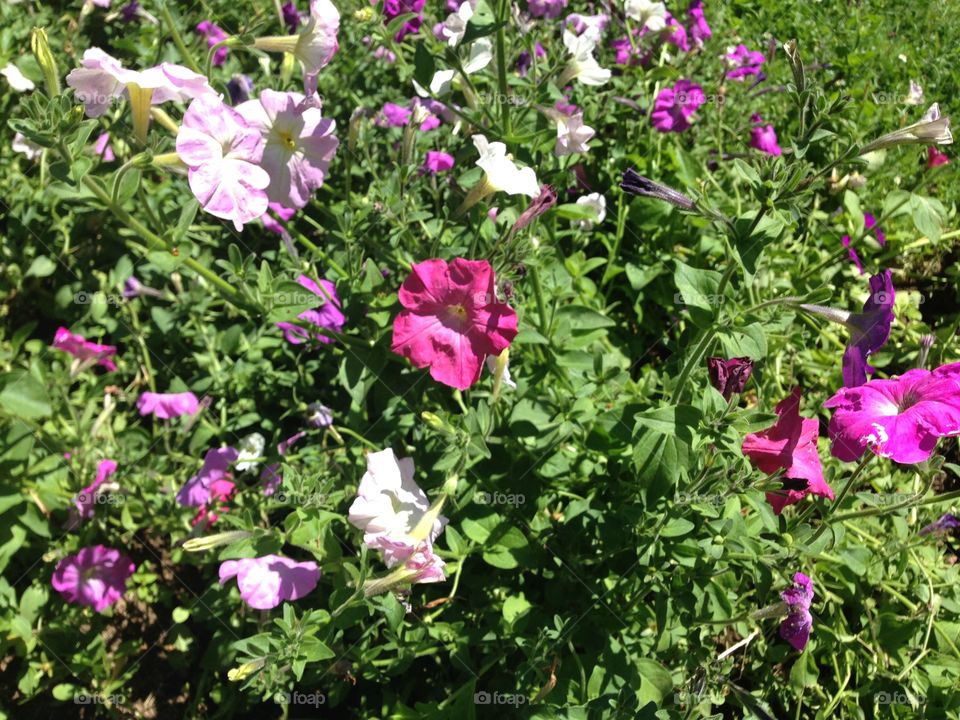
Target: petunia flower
[[216, 466], [743, 62], [649, 15], [239, 87], [455, 26], [214, 34], [451, 319], [389, 506], [946, 523], [18, 81], [545, 200], [935, 158], [675, 34], [796, 627], [85, 501], [763, 137], [395, 8], [869, 223], [547, 9], [221, 492], [291, 16], [319, 415], [102, 148], [83, 349], [636, 184], [325, 316], [598, 204], [437, 162], [95, 576], [594, 24], [572, 134], [314, 46], [395, 115], [789, 445], [525, 59], [500, 173], [298, 144], [168, 405], [249, 450], [699, 29], [674, 106], [901, 418], [915, 96], [223, 154], [265, 582], [930, 130], [277, 224], [582, 65], [729, 376]]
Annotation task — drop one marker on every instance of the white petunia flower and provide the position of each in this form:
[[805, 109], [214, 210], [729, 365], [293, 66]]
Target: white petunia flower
[[455, 26], [18, 81], [251, 448], [501, 174], [651, 15], [583, 65], [596, 202]]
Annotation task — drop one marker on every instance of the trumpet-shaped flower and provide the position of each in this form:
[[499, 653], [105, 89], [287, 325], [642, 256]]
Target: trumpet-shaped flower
[[389, 506], [325, 316], [196, 492], [83, 349], [455, 26], [437, 162], [789, 445], [501, 174], [451, 319], [85, 501], [902, 418], [298, 144], [95, 576], [572, 134], [314, 46], [222, 153], [650, 15], [796, 627], [168, 405], [265, 582], [673, 106], [598, 204], [699, 29], [583, 66], [763, 137], [932, 129]]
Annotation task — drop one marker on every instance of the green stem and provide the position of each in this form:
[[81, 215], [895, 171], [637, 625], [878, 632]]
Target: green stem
[[502, 18], [840, 498], [177, 38], [538, 294]]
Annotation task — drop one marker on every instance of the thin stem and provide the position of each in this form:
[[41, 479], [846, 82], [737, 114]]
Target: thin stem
[[177, 38], [840, 498]]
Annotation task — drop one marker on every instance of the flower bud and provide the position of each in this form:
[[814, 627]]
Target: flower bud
[[40, 46]]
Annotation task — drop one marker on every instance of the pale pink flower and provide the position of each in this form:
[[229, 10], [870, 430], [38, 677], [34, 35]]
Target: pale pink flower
[[168, 405], [267, 581]]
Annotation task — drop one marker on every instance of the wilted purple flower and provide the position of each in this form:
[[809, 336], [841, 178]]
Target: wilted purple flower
[[743, 62], [326, 316], [526, 60], [729, 376], [214, 34], [239, 87], [944, 524], [796, 627], [870, 329], [319, 415], [636, 184], [540, 204]]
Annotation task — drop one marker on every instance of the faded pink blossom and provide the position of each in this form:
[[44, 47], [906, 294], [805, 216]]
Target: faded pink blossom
[[267, 581], [168, 405], [95, 576], [82, 349]]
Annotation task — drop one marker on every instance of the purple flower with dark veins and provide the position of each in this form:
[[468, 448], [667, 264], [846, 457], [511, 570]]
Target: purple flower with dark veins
[[796, 627]]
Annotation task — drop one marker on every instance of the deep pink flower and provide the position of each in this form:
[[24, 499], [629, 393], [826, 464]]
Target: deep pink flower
[[743, 63], [168, 405], [82, 349], [325, 316], [396, 115], [699, 30], [298, 144], [86, 500], [796, 627], [901, 418], [869, 330], [214, 34], [223, 154], [936, 158], [674, 106], [95, 576], [396, 8], [675, 34], [451, 319], [789, 445], [196, 492], [729, 376], [548, 9], [437, 162], [763, 137], [221, 491], [267, 581]]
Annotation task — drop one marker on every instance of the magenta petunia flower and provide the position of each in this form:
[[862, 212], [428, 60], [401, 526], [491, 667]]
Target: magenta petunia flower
[[869, 330], [869, 223], [437, 162], [901, 418], [196, 492], [743, 62], [548, 9], [267, 581], [451, 319], [298, 144], [395, 8], [936, 158], [395, 115], [789, 445], [796, 627], [525, 59], [223, 153], [168, 405], [221, 491], [326, 316], [699, 30], [86, 500], [83, 349], [729, 376], [95, 576], [675, 33], [763, 137], [674, 106], [214, 34]]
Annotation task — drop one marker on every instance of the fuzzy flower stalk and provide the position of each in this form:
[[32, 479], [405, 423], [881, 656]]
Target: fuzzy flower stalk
[[932, 129]]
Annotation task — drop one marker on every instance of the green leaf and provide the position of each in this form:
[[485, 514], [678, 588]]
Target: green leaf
[[669, 420], [655, 681], [41, 267], [24, 396], [424, 65], [583, 318], [697, 290]]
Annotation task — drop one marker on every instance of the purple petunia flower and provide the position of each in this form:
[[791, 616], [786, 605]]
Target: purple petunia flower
[[699, 30], [902, 418], [547, 9], [216, 466], [869, 329], [944, 524], [396, 8], [214, 34], [674, 106], [729, 376], [240, 87], [267, 581], [743, 62], [763, 137], [328, 315], [675, 34], [95, 576], [291, 16], [796, 627], [437, 162]]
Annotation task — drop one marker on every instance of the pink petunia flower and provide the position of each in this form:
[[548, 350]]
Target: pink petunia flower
[[168, 405], [214, 34], [314, 46], [437, 162], [221, 491], [901, 418], [935, 158], [298, 144], [103, 149], [675, 34], [699, 29], [395, 8], [86, 500], [267, 581], [396, 115], [223, 153], [196, 492], [743, 62], [451, 319], [83, 349], [796, 627], [789, 445], [763, 137], [95, 576], [326, 316], [547, 9], [673, 107]]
